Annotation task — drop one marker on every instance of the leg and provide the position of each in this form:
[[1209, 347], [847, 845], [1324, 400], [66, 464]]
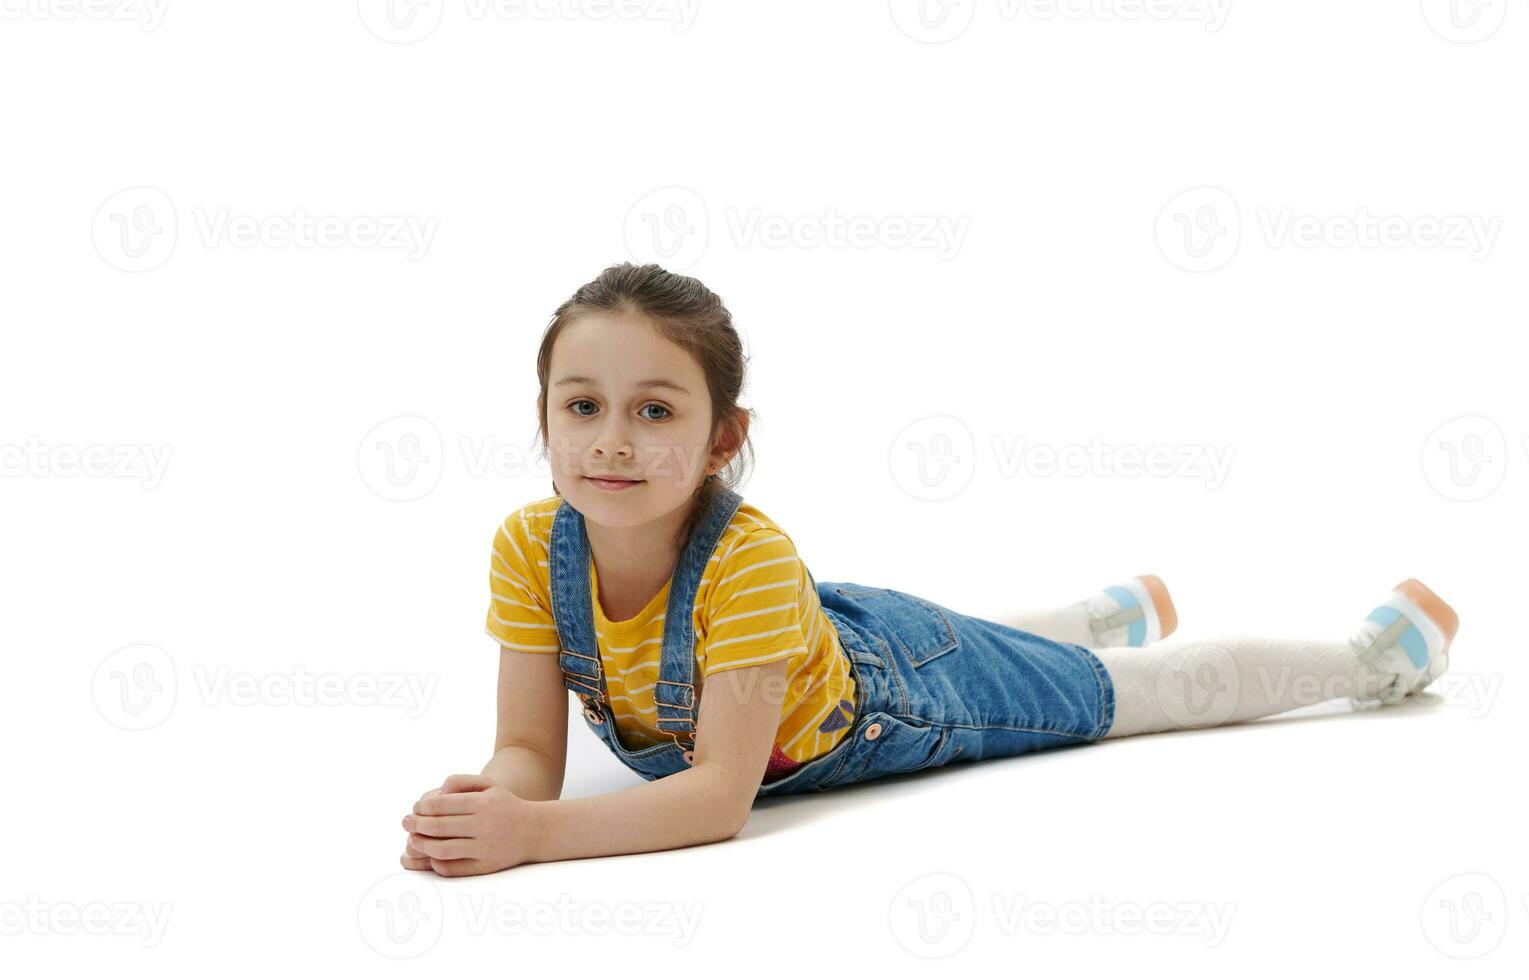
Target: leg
[[1181, 683], [1134, 613], [938, 686], [1398, 650], [1065, 624]]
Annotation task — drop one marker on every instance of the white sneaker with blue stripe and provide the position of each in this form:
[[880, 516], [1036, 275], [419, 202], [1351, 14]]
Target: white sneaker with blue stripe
[[1132, 614], [1404, 642]]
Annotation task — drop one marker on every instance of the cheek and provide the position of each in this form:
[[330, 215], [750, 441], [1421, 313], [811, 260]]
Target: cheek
[[564, 448], [677, 461]]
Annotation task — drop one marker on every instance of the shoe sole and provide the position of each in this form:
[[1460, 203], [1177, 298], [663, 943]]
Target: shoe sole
[[1167, 615], [1436, 609]]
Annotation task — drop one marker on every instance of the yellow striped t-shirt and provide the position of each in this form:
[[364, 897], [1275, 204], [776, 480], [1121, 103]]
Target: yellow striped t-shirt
[[756, 603]]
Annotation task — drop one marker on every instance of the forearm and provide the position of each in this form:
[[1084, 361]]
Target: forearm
[[527, 773], [699, 805]]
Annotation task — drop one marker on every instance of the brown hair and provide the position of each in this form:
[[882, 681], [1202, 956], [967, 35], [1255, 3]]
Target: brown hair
[[688, 314]]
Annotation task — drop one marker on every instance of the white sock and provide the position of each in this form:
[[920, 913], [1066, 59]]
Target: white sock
[[1066, 624], [1181, 683], [1074, 623]]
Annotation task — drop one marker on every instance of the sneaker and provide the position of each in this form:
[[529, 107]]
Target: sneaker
[[1132, 614], [1404, 642]]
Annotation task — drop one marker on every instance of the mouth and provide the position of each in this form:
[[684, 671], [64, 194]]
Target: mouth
[[612, 483]]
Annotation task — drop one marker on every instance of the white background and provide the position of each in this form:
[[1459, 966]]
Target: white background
[[1072, 312]]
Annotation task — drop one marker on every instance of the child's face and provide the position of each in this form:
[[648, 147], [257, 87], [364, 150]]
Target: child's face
[[610, 424]]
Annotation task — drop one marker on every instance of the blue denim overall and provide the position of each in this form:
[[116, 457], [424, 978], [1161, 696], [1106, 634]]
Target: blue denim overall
[[932, 686]]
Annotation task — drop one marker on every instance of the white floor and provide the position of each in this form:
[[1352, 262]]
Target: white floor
[[1386, 841], [1321, 839]]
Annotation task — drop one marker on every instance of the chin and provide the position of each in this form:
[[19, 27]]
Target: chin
[[606, 507]]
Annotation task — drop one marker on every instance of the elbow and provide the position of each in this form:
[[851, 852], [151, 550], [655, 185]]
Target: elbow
[[731, 803], [731, 816], [733, 824], [725, 830]]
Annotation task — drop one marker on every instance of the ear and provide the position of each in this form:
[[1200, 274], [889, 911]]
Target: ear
[[729, 439]]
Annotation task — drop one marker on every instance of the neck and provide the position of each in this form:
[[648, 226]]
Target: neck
[[639, 553]]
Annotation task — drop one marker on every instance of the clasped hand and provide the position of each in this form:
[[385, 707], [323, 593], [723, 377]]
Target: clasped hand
[[469, 825]]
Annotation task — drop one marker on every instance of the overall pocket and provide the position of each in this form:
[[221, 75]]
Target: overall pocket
[[920, 628], [857, 646], [899, 746]]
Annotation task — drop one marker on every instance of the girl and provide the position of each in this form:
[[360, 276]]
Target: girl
[[707, 658]]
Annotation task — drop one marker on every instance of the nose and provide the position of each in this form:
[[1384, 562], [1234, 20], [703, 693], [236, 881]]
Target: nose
[[612, 442]]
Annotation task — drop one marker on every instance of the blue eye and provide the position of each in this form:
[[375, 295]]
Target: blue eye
[[572, 407]]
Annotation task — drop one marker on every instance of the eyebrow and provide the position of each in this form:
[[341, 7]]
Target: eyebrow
[[579, 379]]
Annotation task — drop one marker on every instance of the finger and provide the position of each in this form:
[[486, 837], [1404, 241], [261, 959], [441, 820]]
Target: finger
[[448, 804], [412, 859], [450, 849], [456, 826], [455, 869], [466, 783], [429, 793]]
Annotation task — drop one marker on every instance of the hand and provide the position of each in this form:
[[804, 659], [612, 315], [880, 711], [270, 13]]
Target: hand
[[472, 826], [412, 859]]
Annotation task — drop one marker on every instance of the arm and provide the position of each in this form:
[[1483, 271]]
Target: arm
[[531, 738], [710, 801], [475, 826]]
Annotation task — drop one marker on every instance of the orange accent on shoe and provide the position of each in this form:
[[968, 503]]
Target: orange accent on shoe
[[1433, 607], [1167, 616]]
